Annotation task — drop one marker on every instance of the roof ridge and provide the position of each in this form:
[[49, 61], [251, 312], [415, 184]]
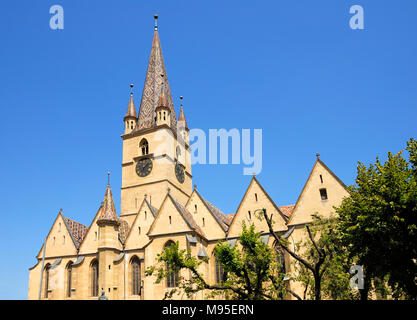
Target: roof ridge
[[187, 217]]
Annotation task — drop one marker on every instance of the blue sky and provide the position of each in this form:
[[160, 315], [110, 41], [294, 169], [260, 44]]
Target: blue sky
[[291, 68]]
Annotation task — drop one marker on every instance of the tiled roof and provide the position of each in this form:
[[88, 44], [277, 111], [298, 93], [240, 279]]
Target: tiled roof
[[181, 118], [153, 87], [108, 211], [123, 230], [188, 217], [76, 229], [230, 217], [287, 210], [131, 110], [221, 218]]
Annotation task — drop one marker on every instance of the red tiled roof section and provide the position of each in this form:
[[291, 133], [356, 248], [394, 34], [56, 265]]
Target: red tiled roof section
[[123, 230], [77, 230], [287, 210], [230, 217], [108, 211]]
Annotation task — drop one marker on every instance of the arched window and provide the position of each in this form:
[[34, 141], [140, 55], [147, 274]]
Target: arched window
[[280, 260], [69, 278], [94, 278], [172, 277], [144, 146], [47, 268], [135, 276], [220, 274]]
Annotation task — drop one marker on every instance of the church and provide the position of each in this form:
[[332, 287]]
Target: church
[[160, 205]]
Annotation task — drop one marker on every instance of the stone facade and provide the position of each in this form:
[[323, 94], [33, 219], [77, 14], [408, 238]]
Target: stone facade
[[158, 205]]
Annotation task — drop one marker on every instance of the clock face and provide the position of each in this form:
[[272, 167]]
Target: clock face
[[144, 167], [179, 172]]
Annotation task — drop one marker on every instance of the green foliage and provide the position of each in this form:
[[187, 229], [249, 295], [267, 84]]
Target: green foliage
[[251, 266], [378, 222], [335, 277]]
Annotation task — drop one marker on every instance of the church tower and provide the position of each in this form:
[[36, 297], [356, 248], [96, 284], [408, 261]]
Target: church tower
[[156, 157], [130, 118], [109, 245]]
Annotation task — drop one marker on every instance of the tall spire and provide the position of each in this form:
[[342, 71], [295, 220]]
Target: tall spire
[[152, 88], [181, 117], [108, 211], [131, 110]]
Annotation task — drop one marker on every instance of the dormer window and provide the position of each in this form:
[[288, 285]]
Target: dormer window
[[144, 146]]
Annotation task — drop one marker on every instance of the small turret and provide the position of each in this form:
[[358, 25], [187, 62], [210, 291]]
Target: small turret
[[182, 124], [131, 117], [108, 221], [163, 112]]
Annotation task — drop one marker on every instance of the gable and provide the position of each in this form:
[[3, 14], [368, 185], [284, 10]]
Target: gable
[[200, 211], [169, 219], [90, 242], [256, 198], [137, 236], [59, 241], [310, 200]]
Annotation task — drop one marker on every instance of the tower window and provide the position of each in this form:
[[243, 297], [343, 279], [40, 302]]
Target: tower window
[[144, 146], [170, 220], [321, 178], [323, 194], [139, 230], [256, 197]]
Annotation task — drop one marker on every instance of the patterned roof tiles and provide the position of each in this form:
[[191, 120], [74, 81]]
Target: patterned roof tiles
[[76, 229], [287, 210], [153, 88], [108, 211]]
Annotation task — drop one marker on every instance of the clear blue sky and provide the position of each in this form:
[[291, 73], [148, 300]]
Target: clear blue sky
[[292, 68]]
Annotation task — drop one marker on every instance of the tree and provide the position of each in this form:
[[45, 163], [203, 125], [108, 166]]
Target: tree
[[335, 282], [378, 222], [251, 269], [319, 257]]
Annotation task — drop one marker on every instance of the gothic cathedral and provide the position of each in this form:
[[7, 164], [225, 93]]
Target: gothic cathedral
[[159, 205]]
